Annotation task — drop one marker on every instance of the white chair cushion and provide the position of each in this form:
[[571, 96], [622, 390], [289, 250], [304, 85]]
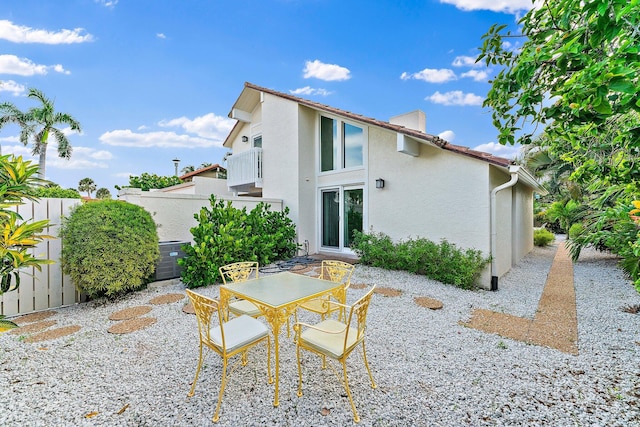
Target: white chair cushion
[[330, 344], [244, 307], [239, 332]]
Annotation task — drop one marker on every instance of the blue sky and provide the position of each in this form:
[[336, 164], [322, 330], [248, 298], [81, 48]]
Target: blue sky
[[152, 80]]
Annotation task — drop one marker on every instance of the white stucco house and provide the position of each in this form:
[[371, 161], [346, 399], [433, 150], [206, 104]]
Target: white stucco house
[[338, 171]]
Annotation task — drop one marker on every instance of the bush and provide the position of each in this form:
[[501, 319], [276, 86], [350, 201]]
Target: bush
[[443, 262], [542, 237], [54, 191], [225, 234], [576, 230], [109, 247]]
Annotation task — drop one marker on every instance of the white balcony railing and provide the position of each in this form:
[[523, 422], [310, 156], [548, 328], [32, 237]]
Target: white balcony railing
[[245, 169]]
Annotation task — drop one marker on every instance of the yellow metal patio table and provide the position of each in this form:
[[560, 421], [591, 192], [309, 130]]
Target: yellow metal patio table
[[277, 296]]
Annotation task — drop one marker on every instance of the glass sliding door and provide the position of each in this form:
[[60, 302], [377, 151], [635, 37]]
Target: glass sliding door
[[331, 218], [352, 214], [342, 213]]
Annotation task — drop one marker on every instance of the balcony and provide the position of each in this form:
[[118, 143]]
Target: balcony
[[244, 170]]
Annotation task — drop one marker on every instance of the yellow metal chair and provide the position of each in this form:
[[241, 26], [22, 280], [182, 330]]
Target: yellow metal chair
[[227, 339], [335, 339], [336, 271], [236, 273]]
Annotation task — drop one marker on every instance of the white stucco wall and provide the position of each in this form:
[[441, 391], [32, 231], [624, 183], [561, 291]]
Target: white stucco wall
[[174, 213], [436, 195]]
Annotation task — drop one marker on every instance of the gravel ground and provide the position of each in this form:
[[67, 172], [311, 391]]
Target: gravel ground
[[430, 370]]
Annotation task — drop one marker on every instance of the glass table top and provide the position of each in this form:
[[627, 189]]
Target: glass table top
[[280, 289]]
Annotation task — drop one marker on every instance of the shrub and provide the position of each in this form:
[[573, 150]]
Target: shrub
[[109, 247], [576, 230], [225, 234], [443, 262], [56, 192], [542, 237]]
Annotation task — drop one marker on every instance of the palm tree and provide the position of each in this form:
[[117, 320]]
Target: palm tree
[[103, 193], [9, 113], [41, 123], [87, 184]]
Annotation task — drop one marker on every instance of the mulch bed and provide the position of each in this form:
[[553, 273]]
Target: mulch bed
[[131, 325], [34, 317], [427, 302], [166, 299], [33, 327], [130, 313], [388, 292], [53, 334]]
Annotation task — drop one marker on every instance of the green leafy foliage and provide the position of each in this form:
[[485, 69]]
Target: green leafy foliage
[[109, 247], [18, 238], [225, 234], [103, 193], [148, 182], [443, 262], [542, 237], [54, 191]]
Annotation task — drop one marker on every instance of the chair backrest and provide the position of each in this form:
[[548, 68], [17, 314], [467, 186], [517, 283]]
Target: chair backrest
[[207, 309], [238, 271], [358, 313], [337, 271]]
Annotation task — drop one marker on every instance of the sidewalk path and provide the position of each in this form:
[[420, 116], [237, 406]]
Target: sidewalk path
[[555, 324]]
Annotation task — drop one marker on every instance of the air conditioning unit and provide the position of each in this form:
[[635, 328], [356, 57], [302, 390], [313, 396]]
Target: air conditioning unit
[[167, 266]]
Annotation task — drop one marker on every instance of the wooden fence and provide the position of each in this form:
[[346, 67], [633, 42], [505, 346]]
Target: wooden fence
[[49, 288]]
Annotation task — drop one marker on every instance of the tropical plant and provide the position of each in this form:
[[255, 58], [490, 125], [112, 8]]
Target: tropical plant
[[225, 234], [542, 237], [109, 247], [18, 238], [40, 122], [87, 184], [103, 193]]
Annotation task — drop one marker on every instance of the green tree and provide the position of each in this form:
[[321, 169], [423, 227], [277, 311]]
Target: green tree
[[87, 185], [54, 190], [578, 66], [17, 237], [40, 123], [148, 181], [103, 193]]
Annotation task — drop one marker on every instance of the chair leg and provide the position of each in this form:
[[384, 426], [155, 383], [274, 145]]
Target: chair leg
[[366, 364], [299, 371], [223, 383], [195, 380], [356, 417], [244, 358]]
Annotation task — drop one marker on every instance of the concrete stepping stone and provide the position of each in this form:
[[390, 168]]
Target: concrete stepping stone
[[34, 317], [427, 302], [130, 313], [52, 334], [131, 325], [31, 328], [166, 299]]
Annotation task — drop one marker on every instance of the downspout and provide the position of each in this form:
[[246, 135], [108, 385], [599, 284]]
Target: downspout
[[513, 170]]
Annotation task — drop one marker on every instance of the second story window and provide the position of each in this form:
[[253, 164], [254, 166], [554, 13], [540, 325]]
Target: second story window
[[257, 141], [341, 145]]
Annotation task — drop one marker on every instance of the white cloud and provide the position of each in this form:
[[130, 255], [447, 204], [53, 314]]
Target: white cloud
[[507, 6], [207, 126], [11, 64], [308, 90], [81, 158], [127, 138], [107, 3], [326, 72], [506, 151], [447, 135], [466, 61], [479, 76], [455, 97], [22, 34], [13, 139], [161, 36], [12, 87], [431, 75]]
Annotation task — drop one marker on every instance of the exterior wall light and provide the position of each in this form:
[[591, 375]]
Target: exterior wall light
[[379, 183], [245, 138]]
